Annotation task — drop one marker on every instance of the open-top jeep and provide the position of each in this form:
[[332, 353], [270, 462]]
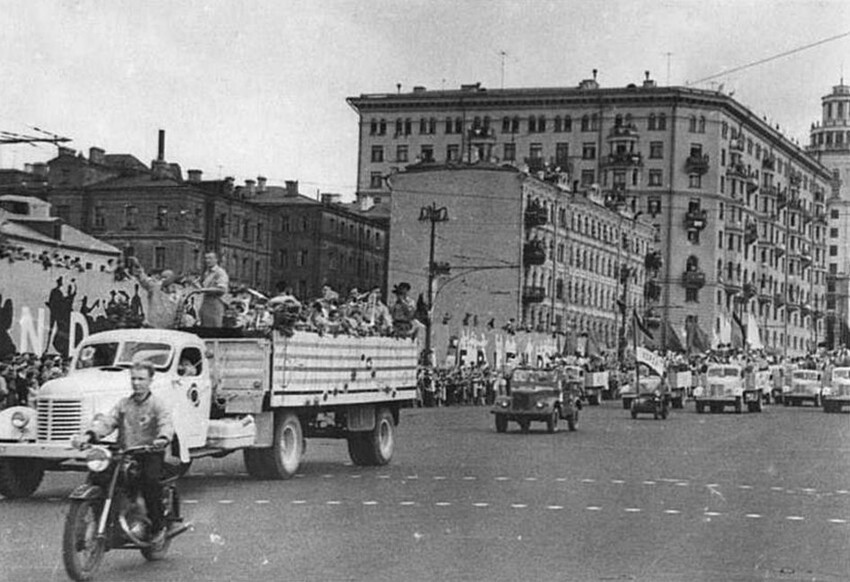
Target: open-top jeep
[[538, 395]]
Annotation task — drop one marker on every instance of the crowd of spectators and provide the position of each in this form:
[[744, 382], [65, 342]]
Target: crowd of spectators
[[21, 375], [48, 260]]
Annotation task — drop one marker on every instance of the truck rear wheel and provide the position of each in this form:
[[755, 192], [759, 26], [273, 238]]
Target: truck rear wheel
[[20, 477], [376, 447]]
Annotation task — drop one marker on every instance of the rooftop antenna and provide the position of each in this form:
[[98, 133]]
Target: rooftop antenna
[[502, 55]]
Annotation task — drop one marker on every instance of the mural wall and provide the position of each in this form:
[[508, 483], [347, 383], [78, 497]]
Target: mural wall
[[51, 309]]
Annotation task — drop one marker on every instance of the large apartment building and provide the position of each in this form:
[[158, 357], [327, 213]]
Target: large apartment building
[[739, 209], [517, 250], [830, 145]]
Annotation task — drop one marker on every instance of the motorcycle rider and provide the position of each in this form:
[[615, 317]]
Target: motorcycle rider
[[141, 419]]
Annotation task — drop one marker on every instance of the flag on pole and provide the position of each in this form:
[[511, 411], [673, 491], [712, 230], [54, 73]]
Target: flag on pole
[[697, 339], [644, 334], [738, 334], [672, 339]]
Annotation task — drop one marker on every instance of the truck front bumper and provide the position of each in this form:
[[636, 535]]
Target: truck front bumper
[[47, 451]]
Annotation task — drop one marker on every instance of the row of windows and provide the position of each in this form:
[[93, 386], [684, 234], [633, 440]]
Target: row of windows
[[342, 262], [482, 125], [335, 226]]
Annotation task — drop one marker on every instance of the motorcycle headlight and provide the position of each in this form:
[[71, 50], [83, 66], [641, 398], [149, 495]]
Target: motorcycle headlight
[[20, 420], [97, 459]]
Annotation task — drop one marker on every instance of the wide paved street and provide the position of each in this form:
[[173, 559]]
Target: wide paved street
[[696, 497]]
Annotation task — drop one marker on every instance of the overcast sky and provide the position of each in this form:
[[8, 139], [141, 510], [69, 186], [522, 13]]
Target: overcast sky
[[246, 88]]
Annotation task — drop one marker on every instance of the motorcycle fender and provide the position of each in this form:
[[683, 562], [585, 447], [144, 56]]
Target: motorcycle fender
[[87, 491]]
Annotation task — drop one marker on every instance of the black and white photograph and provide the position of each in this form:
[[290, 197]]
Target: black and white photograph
[[425, 290]]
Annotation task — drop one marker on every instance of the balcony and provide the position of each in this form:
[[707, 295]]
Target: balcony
[[752, 184], [778, 300], [481, 133], [805, 258], [651, 291], [653, 261], [733, 224], [781, 200], [738, 170], [769, 190], [532, 294], [806, 216], [765, 296], [750, 291], [820, 218], [622, 160], [780, 250], [693, 279], [751, 233], [697, 164], [736, 145], [791, 306], [629, 131], [533, 253], [795, 179], [731, 285], [805, 309], [535, 215], [696, 219], [768, 164]]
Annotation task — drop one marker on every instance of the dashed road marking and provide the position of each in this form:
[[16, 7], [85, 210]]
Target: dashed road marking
[[299, 502], [795, 518], [554, 507], [333, 502], [560, 479], [593, 508], [835, 520], [745, 486], [299, 475], [617, 481], [328, 476], [356, 476], [712, 514], [412, 477], [407, 503], [439, 478], [753, 515], [519, 505], [383, 476], [480, 504], [531, 478], [189, 501], [649, 482], [672, 511], [809, 490], [633, 510], [225, 501], [777, 488], [262, 501], [502, 478], [442, 503], [842, 492], [682, 484], [370, 503], [588, 480], [470, 478]]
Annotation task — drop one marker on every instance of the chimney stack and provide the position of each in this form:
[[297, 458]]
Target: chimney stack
[[250, 188], [194, 176], [160, 156], [96, 155], [292, 188], [261, 184]]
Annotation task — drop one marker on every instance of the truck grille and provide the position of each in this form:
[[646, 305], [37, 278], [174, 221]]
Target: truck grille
[[716, 390], [58, 419], [520, 401]]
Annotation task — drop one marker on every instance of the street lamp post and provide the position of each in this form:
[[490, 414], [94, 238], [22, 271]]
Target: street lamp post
[[433, 214]]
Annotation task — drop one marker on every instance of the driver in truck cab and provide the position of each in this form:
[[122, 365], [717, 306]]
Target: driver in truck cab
[[141, 419]]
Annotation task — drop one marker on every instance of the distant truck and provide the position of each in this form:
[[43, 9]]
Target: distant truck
[[595, 385], [538, 395], [260, 395], [806, 386], [838, 395], [681, 385], [729, 385]]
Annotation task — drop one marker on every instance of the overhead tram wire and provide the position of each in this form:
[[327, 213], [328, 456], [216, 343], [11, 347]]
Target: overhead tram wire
[[768, 59]]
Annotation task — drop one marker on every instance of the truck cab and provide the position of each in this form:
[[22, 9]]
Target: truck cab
[[36, 439], [542, 395], [806, 386]]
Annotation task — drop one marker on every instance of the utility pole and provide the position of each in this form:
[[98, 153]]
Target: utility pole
[[432, 214]]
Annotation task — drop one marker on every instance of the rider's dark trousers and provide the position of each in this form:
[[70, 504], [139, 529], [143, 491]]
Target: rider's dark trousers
[[151, 487]]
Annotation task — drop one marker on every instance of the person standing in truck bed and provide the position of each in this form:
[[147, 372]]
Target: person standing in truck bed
[[214, 284]]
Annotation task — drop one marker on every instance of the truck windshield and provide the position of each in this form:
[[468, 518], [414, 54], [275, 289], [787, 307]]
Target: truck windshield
[[807, 375], [723, 372], [105, 354], [843, 373], [526, 377]]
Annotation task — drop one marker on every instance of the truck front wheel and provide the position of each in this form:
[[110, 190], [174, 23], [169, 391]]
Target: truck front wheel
[[287, 448], [20, 477]]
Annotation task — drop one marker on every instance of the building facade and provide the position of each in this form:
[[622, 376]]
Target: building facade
[[739, 209], [830, 145], [515, 250]]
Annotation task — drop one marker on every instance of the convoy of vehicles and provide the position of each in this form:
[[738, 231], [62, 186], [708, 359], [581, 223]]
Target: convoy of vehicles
[[805, 386], [728, 385], [538, 395], [260, 395]]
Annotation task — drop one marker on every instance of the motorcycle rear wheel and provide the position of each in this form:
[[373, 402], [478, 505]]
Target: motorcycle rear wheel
[[82, 550]]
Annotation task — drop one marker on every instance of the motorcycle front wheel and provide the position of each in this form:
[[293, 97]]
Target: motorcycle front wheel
[[82, 550]]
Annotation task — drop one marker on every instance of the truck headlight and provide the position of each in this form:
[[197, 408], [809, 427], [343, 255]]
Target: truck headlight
[[97, 459], [505, 403], [541, 405], [20, 420]]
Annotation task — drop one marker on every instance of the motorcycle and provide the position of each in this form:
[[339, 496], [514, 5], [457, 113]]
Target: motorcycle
[[107, 512]]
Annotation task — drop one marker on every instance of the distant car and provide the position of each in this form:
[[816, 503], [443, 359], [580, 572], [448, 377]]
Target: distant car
[[839, 394], [806, 386], [649, 381], [535, 395]]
